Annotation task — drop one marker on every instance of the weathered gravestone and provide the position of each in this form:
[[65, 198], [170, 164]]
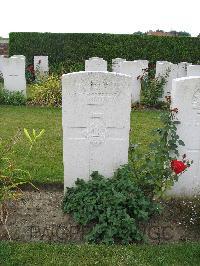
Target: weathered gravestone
[[193, 70], [96, 123], [116, 64], [95, 64], [163, 68], [144, 63], [14, 73], [186, 97], [135, 69], [41, 65]]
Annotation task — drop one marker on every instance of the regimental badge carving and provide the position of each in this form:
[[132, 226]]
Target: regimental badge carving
[[196, 100], [96, 133]]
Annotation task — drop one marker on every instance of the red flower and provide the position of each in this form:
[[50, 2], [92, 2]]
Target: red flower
[[178, 166]]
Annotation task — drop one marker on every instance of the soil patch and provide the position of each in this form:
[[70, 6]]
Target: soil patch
[[38, 216]]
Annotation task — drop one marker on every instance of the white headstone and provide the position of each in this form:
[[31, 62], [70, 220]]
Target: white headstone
[[162, 68], [134, 69], [193, 70], [95, 64], [20, 56], [116, 64], [143, 63], [182, 69], [186, 97], [96, 122], [41, 65], [14, 74], [2, 58], [157, 62]]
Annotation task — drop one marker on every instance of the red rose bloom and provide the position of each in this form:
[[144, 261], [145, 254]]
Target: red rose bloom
[[178, 166]]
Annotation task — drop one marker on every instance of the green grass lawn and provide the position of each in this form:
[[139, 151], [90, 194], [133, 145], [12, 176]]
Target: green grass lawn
[[45, 161], [144, 255]]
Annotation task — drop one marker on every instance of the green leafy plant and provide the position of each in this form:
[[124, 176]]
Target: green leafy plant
[[30, 73], [11, 177], [32, 139], [66, 67], [152, 87], [114, 207], [12, 98], [47, 91]]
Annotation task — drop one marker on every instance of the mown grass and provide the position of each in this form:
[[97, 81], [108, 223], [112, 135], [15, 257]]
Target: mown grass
[[57, 254], [45, 161]]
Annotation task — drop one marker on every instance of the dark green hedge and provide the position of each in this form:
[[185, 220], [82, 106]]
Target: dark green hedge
[[74, 48]]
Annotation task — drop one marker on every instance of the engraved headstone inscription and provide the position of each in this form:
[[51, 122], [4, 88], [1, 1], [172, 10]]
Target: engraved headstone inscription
[[116, 64]]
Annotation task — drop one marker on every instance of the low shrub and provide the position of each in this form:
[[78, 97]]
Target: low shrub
[[47, 92], [12, 97], [66, 67], [30, 73], [152, 88], [114, 206]]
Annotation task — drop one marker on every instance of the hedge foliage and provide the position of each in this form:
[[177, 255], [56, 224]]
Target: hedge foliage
[[72, 49]]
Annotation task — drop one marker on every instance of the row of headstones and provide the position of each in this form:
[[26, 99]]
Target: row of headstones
[[96, 124], [136, 68], [12, 70], [174, 71]]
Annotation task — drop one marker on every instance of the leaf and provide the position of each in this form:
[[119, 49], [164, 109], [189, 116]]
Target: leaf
[[40, 134], [27, 135], [180, 142], [176, 122], [34, 133]]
